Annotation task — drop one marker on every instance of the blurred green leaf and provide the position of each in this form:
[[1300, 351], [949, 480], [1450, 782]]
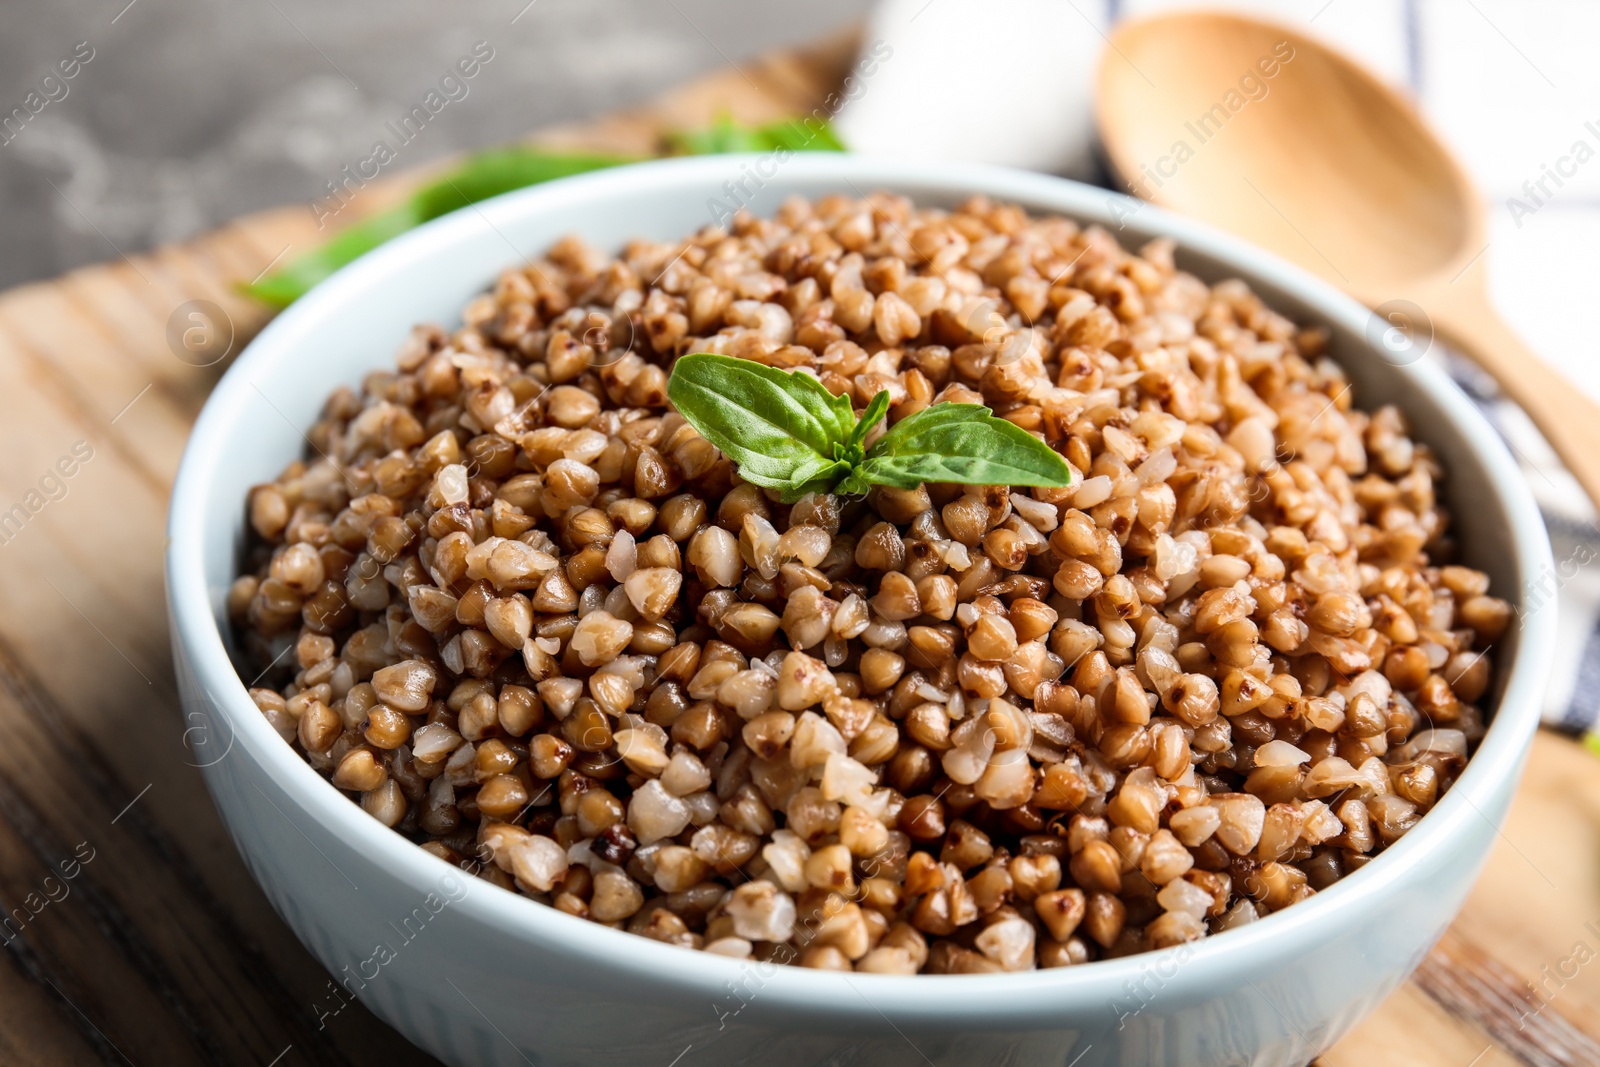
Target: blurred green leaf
[[725, 135], [502, 170], [291, 281]]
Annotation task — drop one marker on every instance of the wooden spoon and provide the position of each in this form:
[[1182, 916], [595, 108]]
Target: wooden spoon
[[1265, 132]]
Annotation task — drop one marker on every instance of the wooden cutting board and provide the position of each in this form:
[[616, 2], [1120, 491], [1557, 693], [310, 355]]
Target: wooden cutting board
[[141, 938]]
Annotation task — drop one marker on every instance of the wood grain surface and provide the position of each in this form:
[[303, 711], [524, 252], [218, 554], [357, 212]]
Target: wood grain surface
[[133, 933]]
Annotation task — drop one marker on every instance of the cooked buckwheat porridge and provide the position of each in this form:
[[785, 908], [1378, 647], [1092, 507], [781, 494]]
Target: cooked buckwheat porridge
[[541, 627]]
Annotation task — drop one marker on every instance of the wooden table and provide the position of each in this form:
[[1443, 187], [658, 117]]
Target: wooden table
[[139, 937]]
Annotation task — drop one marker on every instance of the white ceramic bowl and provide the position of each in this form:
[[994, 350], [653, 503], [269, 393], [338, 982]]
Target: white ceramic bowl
[[477, 975]]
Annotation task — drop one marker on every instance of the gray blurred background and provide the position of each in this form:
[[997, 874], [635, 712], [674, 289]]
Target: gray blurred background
[[192, 112]]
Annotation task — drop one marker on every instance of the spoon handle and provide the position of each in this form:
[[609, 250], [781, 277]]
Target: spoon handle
[[1567, 417]]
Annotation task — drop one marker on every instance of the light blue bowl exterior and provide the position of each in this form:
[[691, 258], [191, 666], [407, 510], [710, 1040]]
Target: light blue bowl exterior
[[478, 976]]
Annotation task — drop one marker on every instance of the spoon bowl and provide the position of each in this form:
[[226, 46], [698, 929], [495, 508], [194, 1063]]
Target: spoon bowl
[[1212, 112], [1272, 135]]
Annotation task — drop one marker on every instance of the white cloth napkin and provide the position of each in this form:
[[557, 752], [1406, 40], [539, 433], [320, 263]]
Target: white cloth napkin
[[1510, 86]]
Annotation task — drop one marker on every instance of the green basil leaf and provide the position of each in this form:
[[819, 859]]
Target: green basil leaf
[[877, 409], [856, 485], [726, 135], [500, 171], [804, 134], [780, 428], [822, 482], [723, 135], [295, 278], [480, 177], [961, 443]]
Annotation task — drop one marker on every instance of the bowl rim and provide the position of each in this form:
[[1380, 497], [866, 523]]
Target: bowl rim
[[971, 1000]]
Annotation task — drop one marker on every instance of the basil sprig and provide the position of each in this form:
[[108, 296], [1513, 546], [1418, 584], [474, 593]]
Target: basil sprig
[[786, 432]]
